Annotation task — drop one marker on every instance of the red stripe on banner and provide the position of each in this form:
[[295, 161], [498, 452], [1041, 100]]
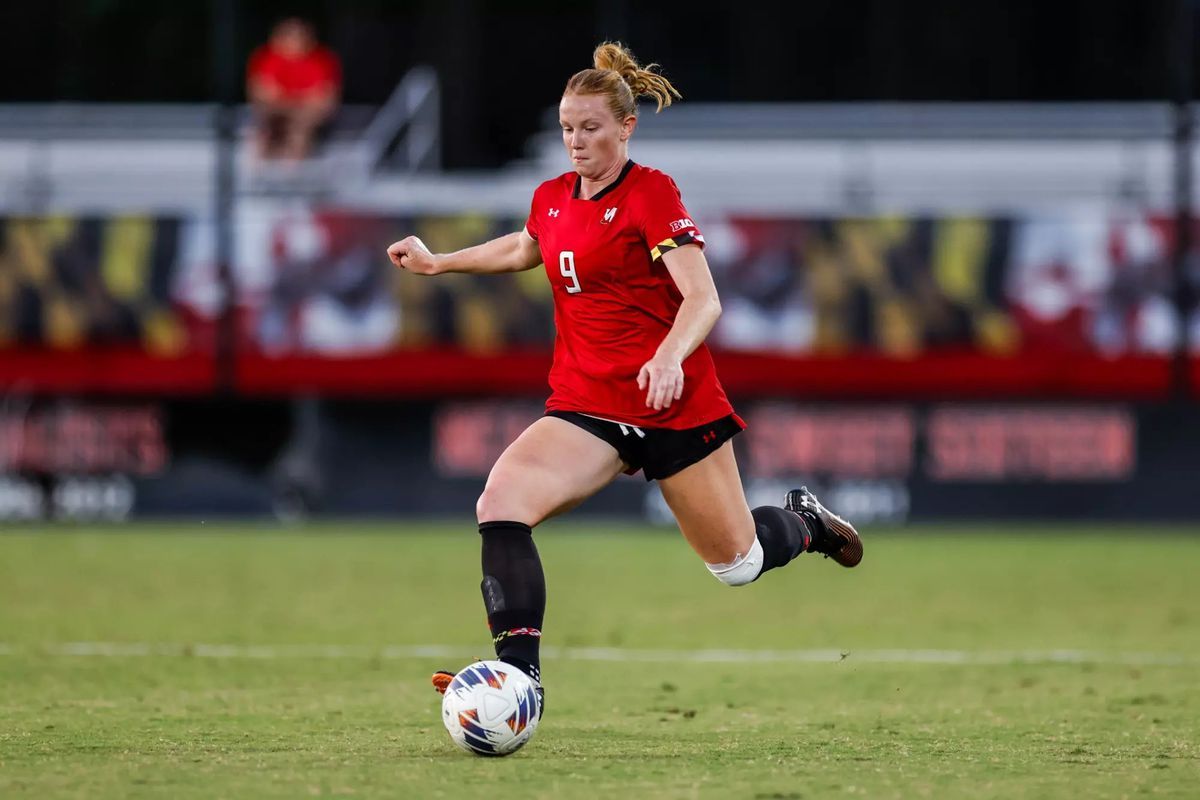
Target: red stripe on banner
[[105, 371], [938, 376], [434, 373], [442, 372], [416, 373]]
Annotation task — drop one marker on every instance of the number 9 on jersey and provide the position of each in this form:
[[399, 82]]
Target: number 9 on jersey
[[566, 265]]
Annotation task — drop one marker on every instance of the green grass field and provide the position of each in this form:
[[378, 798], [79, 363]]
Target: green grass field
[[956, 680]]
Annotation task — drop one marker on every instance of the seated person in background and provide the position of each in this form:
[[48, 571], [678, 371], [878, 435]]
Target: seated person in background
[[294, 84]]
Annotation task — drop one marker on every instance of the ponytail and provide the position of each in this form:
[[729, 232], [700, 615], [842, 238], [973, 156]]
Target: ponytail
[[617, 76]]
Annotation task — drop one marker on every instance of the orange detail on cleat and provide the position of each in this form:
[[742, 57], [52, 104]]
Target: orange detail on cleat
[[441, 679]]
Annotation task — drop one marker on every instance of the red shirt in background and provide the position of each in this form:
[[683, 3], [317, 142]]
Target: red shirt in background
[[296, 77]]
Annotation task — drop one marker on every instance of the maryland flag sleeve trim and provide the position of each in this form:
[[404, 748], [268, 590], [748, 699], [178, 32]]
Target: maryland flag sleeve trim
[[687, 237]]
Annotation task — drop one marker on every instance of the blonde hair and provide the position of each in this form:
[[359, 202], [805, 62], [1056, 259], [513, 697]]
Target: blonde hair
[[617, 76]]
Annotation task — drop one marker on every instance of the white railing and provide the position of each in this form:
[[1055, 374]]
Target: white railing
[[828, 159], [406, 133]]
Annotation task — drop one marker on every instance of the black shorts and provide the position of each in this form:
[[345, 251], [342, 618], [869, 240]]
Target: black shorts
[[658, 452]]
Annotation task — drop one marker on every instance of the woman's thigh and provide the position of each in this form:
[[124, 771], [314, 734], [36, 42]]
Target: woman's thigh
[[710, 506], [550, 468]]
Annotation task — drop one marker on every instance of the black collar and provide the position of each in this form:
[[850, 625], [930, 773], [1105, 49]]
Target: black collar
[[629, 165]]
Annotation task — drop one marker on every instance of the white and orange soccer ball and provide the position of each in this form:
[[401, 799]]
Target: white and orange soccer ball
[[491, 708]]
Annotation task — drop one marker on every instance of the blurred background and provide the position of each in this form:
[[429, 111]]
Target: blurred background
[[955, 244]]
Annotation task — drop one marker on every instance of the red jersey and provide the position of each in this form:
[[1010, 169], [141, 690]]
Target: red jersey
[[296, 77], [614, 300]]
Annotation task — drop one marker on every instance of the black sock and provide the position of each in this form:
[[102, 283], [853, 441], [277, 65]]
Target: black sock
[[782, 534], [514, 593]]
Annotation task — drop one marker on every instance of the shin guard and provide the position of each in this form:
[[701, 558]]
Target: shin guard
[[514, 593]]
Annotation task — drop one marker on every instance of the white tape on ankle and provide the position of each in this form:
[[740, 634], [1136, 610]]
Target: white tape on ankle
[[742, 570]]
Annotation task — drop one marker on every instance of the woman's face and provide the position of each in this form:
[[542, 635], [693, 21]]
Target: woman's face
[[292, 38], [594, 139]]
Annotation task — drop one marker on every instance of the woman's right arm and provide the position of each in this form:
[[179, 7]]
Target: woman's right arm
[[512, 253]]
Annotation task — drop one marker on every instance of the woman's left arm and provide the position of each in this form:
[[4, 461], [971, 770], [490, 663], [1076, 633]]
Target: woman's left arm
[[662, 376]]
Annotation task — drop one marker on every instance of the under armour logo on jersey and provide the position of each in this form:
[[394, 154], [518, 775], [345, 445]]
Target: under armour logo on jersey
[[554, 212], [609, 213]]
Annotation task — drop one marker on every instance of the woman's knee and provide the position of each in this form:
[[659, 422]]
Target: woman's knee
[[489, 505], [499, 503]]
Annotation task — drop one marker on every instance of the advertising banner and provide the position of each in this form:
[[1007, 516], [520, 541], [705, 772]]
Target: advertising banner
[[300, 458]]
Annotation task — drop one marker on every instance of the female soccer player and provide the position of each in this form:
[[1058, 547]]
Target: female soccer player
[[632, 385]]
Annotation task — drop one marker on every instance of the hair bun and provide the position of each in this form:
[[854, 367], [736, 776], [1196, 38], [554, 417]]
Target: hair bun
[[642, 81]]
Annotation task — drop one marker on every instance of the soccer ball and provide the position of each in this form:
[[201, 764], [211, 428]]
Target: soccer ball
[[491, 708]]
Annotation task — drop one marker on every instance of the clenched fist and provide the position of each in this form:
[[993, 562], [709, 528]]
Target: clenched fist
[[411, 254]]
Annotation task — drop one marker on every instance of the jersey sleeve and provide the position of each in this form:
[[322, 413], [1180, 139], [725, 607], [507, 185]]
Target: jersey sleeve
[[331, 68], [531, 220], [666, 224], [260, 66]]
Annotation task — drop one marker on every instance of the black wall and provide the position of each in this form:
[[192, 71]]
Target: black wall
[[501, 63]]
